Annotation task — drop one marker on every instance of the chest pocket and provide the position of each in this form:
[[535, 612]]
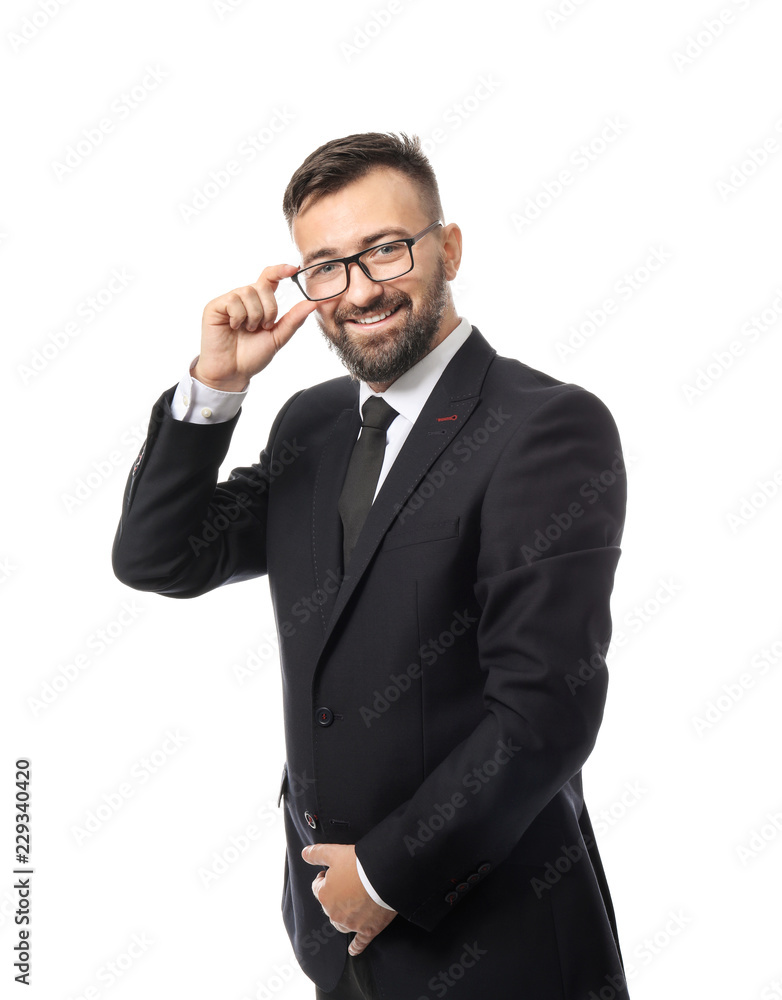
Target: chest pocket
[[414, 532]]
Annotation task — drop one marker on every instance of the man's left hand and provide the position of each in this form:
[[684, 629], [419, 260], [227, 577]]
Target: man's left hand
[[342, 895]]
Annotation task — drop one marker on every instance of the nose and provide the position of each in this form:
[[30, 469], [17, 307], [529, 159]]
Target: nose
[[362, 291]]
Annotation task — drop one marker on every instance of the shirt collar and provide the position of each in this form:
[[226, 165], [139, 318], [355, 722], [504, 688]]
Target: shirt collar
[[411, 390]]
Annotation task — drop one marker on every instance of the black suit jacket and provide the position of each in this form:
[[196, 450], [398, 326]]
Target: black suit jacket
[[441, 698]]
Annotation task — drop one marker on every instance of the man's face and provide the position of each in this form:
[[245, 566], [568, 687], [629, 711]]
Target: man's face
[[382, 206]]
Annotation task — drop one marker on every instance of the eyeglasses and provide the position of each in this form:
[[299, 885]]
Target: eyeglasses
[[383, 262]]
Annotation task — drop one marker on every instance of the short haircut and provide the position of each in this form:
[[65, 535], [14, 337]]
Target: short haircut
[[339, 162]]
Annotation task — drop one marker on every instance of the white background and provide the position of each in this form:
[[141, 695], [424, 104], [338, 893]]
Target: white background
[[504, 98]]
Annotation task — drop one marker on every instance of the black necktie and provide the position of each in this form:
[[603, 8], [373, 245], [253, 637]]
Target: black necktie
[[363, 471]]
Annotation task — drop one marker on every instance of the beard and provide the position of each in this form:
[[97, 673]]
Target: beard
[[384, 356]]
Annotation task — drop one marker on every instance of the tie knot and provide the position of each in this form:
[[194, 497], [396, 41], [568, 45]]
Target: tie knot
[[377, 413]]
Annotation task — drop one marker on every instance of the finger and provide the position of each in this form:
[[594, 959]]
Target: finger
[[265, 292], [317, 883], [275, 273], [253, 307], [266, 286], [292, 320], [359, 943], [235, 309], [315, 854]]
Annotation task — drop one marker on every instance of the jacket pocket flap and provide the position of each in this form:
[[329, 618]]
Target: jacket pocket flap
[[424, 531]]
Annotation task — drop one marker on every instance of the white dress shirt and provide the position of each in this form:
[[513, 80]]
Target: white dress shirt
[[197, 403]]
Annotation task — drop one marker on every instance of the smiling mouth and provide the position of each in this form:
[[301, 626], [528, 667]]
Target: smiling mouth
[[376, 320]]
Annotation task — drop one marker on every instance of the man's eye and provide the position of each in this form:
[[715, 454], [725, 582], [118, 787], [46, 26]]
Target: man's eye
[[388, 251], [322, 271]]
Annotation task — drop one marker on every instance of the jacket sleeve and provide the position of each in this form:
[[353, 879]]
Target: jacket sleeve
[[551, 523], [181, 533]]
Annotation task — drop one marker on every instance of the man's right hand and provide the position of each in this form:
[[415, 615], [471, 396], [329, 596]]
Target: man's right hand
[[240, 332]]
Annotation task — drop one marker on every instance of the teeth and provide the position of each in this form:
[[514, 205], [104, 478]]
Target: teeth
[[374, 319]]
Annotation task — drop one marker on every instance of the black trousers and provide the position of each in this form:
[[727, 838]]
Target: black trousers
[[356, 983]]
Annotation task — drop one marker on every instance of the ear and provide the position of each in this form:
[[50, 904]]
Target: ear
[[452, 249]]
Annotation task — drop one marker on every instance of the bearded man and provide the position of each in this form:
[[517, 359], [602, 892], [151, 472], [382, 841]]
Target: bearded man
[[440, 545]]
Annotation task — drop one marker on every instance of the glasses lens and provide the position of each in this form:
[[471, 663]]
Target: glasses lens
[[324, 280], [389, 261]]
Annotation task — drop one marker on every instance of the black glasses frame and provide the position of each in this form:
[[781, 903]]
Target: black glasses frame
[[356, 259]]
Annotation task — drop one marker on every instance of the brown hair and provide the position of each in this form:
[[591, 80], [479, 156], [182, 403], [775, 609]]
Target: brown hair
[[339, 162]]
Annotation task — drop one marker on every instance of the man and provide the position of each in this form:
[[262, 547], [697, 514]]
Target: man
[[440, 578]]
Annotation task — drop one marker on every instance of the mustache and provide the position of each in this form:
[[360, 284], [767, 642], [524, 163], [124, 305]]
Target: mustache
[[380, 306]]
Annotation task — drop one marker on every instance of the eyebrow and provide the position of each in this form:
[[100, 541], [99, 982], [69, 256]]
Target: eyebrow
[[368, 241]]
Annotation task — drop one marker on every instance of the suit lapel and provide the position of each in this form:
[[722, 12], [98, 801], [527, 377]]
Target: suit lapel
[[443, 416]]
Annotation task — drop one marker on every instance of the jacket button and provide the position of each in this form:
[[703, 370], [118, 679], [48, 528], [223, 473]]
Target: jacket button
[[484, 868], [452, 897], [462, 887], [312, 820], [472, 879], [324, 716]]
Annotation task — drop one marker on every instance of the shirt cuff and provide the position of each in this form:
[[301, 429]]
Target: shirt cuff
[[368, 886], [196, 403]]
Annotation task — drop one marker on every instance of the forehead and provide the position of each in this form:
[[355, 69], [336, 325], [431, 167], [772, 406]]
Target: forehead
[[338, 222]]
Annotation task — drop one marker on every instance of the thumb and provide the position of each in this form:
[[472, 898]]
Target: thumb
[[292, 320], [316, 854]]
